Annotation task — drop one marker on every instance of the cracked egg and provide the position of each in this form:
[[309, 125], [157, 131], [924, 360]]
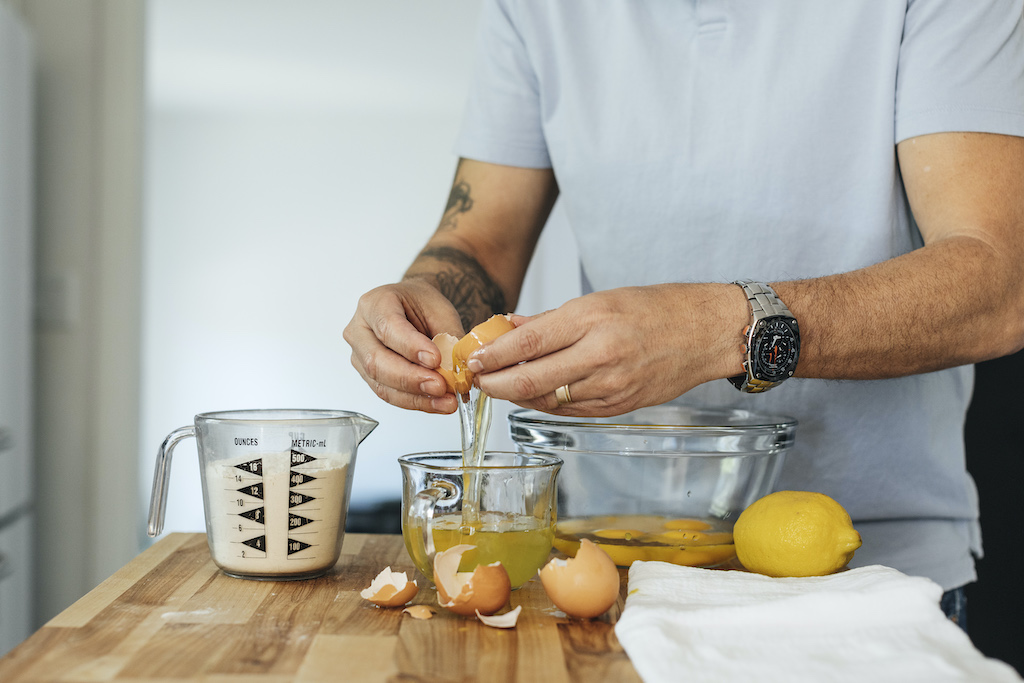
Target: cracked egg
[[455, 352]]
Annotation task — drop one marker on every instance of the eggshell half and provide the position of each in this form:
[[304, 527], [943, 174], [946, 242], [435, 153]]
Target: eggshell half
[[458, 378], [390, 589], [485, 590], [455, 352], [585, 586], [485, 332]]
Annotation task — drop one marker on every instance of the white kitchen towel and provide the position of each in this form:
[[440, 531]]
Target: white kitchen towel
[[867, 624]]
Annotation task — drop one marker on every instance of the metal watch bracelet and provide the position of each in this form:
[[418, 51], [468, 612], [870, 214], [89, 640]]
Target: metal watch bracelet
[[764, 303]]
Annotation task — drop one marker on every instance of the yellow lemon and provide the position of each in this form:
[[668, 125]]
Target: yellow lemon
[[795, 533]]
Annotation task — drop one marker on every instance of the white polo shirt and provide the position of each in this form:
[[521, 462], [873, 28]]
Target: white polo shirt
[[710, 140]]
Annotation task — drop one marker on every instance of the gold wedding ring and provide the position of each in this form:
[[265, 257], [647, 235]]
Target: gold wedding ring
[[562, 395]]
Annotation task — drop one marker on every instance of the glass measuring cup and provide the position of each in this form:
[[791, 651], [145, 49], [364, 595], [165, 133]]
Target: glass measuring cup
[[276, 486], [512, 521]]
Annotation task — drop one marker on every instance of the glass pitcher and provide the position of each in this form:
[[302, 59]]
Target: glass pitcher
[[276, 487]]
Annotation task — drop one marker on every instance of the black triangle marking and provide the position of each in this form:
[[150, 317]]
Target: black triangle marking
[[254, 490], [256, 515], [295, 521], [258, 543], [296, 546], [298, 479], [300, 458], [296, 499], [252, 467]]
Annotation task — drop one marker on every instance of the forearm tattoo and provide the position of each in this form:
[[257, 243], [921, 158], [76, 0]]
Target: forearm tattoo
[[465, 283], [459, 201]]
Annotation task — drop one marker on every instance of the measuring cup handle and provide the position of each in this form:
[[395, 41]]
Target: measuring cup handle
[[423, 505], [162, 478]]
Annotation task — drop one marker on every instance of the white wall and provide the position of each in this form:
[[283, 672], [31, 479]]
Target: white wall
[[88, 158], [298, 154]]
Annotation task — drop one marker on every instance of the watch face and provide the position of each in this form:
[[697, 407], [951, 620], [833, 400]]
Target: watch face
[[776, 349]]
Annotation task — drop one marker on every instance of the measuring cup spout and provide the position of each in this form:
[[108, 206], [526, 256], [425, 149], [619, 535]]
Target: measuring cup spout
[[364, 425]]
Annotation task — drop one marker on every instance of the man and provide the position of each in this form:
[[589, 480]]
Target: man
[[863, 158]]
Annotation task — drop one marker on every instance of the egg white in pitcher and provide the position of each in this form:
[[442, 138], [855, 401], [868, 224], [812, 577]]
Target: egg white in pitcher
[[277, 513]]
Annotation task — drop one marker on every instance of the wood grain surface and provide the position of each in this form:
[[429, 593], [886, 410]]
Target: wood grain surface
[[171, 615]]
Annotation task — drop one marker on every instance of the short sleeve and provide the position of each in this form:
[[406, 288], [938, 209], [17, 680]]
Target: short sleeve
[[502, 120], [961, 68]]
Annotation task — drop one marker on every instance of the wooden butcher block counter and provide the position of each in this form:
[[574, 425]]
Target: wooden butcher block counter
[[171, 615]]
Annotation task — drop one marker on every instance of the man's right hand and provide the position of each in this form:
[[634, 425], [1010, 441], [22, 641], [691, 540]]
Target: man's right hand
[[390, 335]]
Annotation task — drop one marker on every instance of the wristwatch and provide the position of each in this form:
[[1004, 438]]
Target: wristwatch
[[772, 340]]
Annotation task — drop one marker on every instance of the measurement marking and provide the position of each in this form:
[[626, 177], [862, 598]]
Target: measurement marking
[[308, 491], [305, 510], [296, 479], [240, 477], [257, 543], [300, 458], [297, 499], [251, 466], [254, 490], [294, 546], [257, 515]]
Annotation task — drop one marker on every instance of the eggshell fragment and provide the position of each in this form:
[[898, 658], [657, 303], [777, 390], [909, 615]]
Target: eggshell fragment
[[390, 589], [419, 611], [506, 620], [485, 590], [485, 332], [458, 378], [585, 586], [455, 352]]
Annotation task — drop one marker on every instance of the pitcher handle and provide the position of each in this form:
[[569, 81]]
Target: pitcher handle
[[162, 478], [423, 505]]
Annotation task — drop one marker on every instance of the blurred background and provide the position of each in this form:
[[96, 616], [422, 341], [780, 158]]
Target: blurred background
[[296, 156], [212, 185], [204, 188]]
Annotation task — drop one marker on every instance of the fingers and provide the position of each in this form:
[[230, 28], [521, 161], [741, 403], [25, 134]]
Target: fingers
[[533, 385], [589, 344], [587, 407], [387, 317], [544, 340], [617, 350], [592, 396], [394, 378], [535, 337], [394, 356]]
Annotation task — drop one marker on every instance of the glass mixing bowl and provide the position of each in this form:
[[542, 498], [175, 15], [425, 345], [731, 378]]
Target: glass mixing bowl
[[662, 483]]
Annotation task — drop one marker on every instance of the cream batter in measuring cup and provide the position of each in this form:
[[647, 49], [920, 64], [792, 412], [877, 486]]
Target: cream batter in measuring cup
[[276, 486]]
